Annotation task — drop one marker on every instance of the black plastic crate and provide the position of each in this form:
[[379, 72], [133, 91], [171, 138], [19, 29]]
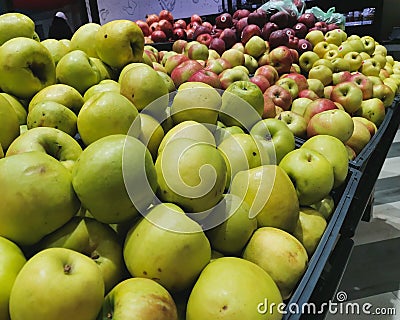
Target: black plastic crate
[[343, 197]]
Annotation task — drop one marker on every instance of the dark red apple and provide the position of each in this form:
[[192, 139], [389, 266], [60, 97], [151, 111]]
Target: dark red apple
[[218, 45], [280, 96], [289, 32], [267, 29], [295, 55], [189, 34], [197, 18], [205, 38], [229, 37], [154, 26], [151, 18], [257, 17], [224, 21], [166, 15], [281, 18], [158, 36], [332, 26], [292, 20], [304, 45], [215, 32], [200, 30], [193, 25], [293, 42], [144, 26], [208, 25], [240, 13], [166, 27], [278, 38], [250, 31], [206, 76], [179, 33], [181, 23], [240, 25], [300, 30], [322, 25], [308, 19]]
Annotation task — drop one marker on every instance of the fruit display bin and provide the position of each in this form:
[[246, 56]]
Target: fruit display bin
[[343, 197]]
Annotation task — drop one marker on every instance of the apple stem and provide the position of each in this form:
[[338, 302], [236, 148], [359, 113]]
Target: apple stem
[[109, 315], [67, 269]]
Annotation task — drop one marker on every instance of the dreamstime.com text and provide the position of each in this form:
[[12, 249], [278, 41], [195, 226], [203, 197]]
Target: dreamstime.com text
[[338, 307]]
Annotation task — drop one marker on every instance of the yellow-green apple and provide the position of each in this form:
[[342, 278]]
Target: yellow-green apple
[[14, 24], [94, 239], [280, 254], [299, 105], [295, 122], [315, 36], [105, 71], [300, 80], [241, 151], [214, 65], [384, 93], [238, 46], [135, 86], [168, 81], [222, 132], [179, 45], [261, 81], [311, 174], [11, 262], [317, 86], [372, 128], [173, 61], [151, 133], [328, 91], [61, 93], [309, 94], [326, 206], [277, 138], [188, 129], [321, 48], [356, 43], [392, 84], [344, 48], [354, 59], [370, 67], [263, 188], [324, 62], [18, 107], [331, 54], [255, 46], [243, 68], [242, 104], [54, 202], [206, 109], [56, 48], [123, 34], [234, 57], [364, 83], [184, 71], [349, 95], [206, 77], [77, 70], [269, 72], [369, 44], [372, 109], [182, 166], [9, 123], [164, 55], [334, 151], [53, 114], [198, 51], [322, 73], [340, 64], [105, 114], [102, 86], [214, 291], [360, 137], [137, 298], [129, 178], [379, 48], [337, 123], [290, 85], [310, 229], [27, 67], [334, 36], [281, 59], [390, 60], [229, 226], [250, 63], [317, 106], [380, 58], [157, 242], [59, 272], [82, 39], [280, 96]]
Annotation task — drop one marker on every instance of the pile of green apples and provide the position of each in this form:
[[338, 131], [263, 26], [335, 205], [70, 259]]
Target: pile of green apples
[[132, 190]]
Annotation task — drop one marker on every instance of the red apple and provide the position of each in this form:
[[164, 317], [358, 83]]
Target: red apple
[[289, 32], [267, 29], [322, 25], [300, 30], [304, 45], [307, 93], [173, 61], [308, 19], [180, 23], [189, 34], [240, 25], [158, 36], [364, 83], [151, 18], [208, 25], [184, 71], [224, 21], [205, 39], [281, 18], [240, 13], [179, 34], [268, 72], [166, 27], [269, 108], [300, 80], [206, 76], [278, 38], [215, 32], [154, 26], [257, 17], [179, 45], [224, 63], [166, 15], [144, 26], [196, 18], [280, 96], [218, 45], [229, 37], [293, 42], [200, 30], [281, 59], [261, 81], [249, 31], [295, 56]]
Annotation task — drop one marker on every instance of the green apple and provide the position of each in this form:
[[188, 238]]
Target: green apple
[[151, 133], [372, 128], [205, 110], [315, 36], [280, 254], [356, 43], [142, 85], [18, 107], [216, 292], [164, 241], [321, 48], [242, 104], [94, 239], [290, 85], [255, 47], [311, 173], [105, 71], [349, 95], [102, 86], [230, 75], [317, 86], [168, 81], [373, 109], [295, 122], [27, 67], [383, 92], [61, 93], [11, 261], [124, 35], [198, 51], [340, 64], [336, 122], [221, 132], [77, 70], [276, 137], [14, 24], [324, 62], [46, 205], [310, 229], [105, 114], [331, 54], [9, 123], [334, 151], [299, 105], [128, 178], [82, 39], [370, 67], [56, 48], [250, 63], [379, 48], [344, 48], [138, 298], [234, 57], [53, 114], [354, 59], [270, 194], [375, 80], [230, 226], [360, 137], [334, 36], [322, 73], [191, 174], [52, 141], [307, 60], [188, 129], [380, 58], [369, 44], [326, 206], [56, 290]]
